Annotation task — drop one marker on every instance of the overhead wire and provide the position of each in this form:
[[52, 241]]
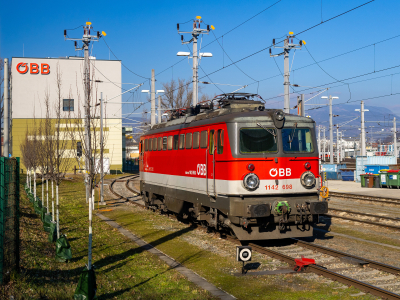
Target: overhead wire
[[266, 48], [123, 63]]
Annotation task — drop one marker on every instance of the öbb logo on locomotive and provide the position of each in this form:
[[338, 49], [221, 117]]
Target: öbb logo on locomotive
[[281, 171], [201, 169], [233, 165]]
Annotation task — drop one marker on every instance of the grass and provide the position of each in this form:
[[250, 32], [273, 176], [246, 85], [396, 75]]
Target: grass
[[197, 251], [123, 270]]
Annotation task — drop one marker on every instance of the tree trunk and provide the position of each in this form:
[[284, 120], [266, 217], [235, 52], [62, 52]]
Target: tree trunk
[[30, 182], [42, 191], [34, 185], [52, 199], [47, 194], [58, 214], [90, 236], [92, 199]]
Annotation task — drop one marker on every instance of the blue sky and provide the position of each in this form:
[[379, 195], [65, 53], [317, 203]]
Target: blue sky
[[143, 35]]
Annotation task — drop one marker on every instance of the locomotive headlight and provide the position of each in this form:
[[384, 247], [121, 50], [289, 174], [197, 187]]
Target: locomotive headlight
[[308, 180], [279, 115], [251, 181]]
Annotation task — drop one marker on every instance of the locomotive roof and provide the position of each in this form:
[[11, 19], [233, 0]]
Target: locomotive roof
[[226, 115]]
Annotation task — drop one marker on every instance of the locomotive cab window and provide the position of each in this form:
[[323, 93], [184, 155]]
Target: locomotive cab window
[[220, 145], [176, 142], [297, 140], [188, 140], [146, 145], [159, 143], [258, 140], [169, 142], [182, 141], [164, 143], [203, 139], [196, 140], [150, 144]]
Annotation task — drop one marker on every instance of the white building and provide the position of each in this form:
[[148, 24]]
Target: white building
[[33, 79]]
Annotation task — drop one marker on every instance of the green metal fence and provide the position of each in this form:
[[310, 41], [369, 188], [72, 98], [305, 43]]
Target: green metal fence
[[9, 217]]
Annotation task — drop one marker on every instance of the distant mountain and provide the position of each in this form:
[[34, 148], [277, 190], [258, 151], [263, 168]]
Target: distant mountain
[[383, 115]]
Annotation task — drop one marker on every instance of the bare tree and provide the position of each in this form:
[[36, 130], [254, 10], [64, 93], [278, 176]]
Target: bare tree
[[26, 147], [59, 160], [90, 151]]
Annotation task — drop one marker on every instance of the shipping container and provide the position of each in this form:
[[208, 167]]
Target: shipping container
[[374, 169]]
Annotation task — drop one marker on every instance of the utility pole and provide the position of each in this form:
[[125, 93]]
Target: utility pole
[[319, 141], [6, 110], [101, 153], [86, 39], [330, 126], [337, 145], [324, 143], [300, 105], [287, 46], [363, 150], [394, 139], [153, 99], [195, 35], [159, 109]]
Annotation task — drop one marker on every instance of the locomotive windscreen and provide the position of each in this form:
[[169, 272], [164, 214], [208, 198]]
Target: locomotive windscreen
[[297, 140], [256, 140]]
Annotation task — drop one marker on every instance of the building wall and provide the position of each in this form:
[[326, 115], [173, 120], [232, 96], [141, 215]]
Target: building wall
[[29, 91]]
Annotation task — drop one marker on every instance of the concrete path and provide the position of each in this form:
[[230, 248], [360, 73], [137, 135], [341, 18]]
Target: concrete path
[[350, 187], [189, 274]]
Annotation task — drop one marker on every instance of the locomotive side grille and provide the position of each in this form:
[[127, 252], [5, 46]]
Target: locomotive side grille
[[317, 208], [259, 210]]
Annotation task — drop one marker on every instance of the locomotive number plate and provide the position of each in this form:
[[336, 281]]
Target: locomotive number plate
[[276, 187]]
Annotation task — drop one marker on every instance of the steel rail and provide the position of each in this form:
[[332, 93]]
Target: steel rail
[[365, 214], [366, 198], [366, 287], [363, 221], [335, 253]]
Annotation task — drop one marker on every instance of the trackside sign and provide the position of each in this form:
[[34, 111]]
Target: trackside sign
[[33, 68]]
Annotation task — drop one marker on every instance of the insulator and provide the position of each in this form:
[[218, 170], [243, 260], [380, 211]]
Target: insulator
[[270, 52], [76, 44], [65, 32], [194, 24], [301, 43], [292, 40], [98, 34], [208, 27], [273, 42], [199, 24], [182, 38], [177, 26]]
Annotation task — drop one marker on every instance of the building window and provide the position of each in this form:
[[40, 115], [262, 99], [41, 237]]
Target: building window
[[68, 105]]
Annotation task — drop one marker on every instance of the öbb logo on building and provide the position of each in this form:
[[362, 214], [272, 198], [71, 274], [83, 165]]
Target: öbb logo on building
[[23, 68]]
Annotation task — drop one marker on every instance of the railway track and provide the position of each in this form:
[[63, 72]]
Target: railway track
[[393, 279], [385, 218], [386, 200]]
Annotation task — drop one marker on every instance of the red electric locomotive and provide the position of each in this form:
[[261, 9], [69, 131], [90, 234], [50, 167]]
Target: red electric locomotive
[[232, 164]]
